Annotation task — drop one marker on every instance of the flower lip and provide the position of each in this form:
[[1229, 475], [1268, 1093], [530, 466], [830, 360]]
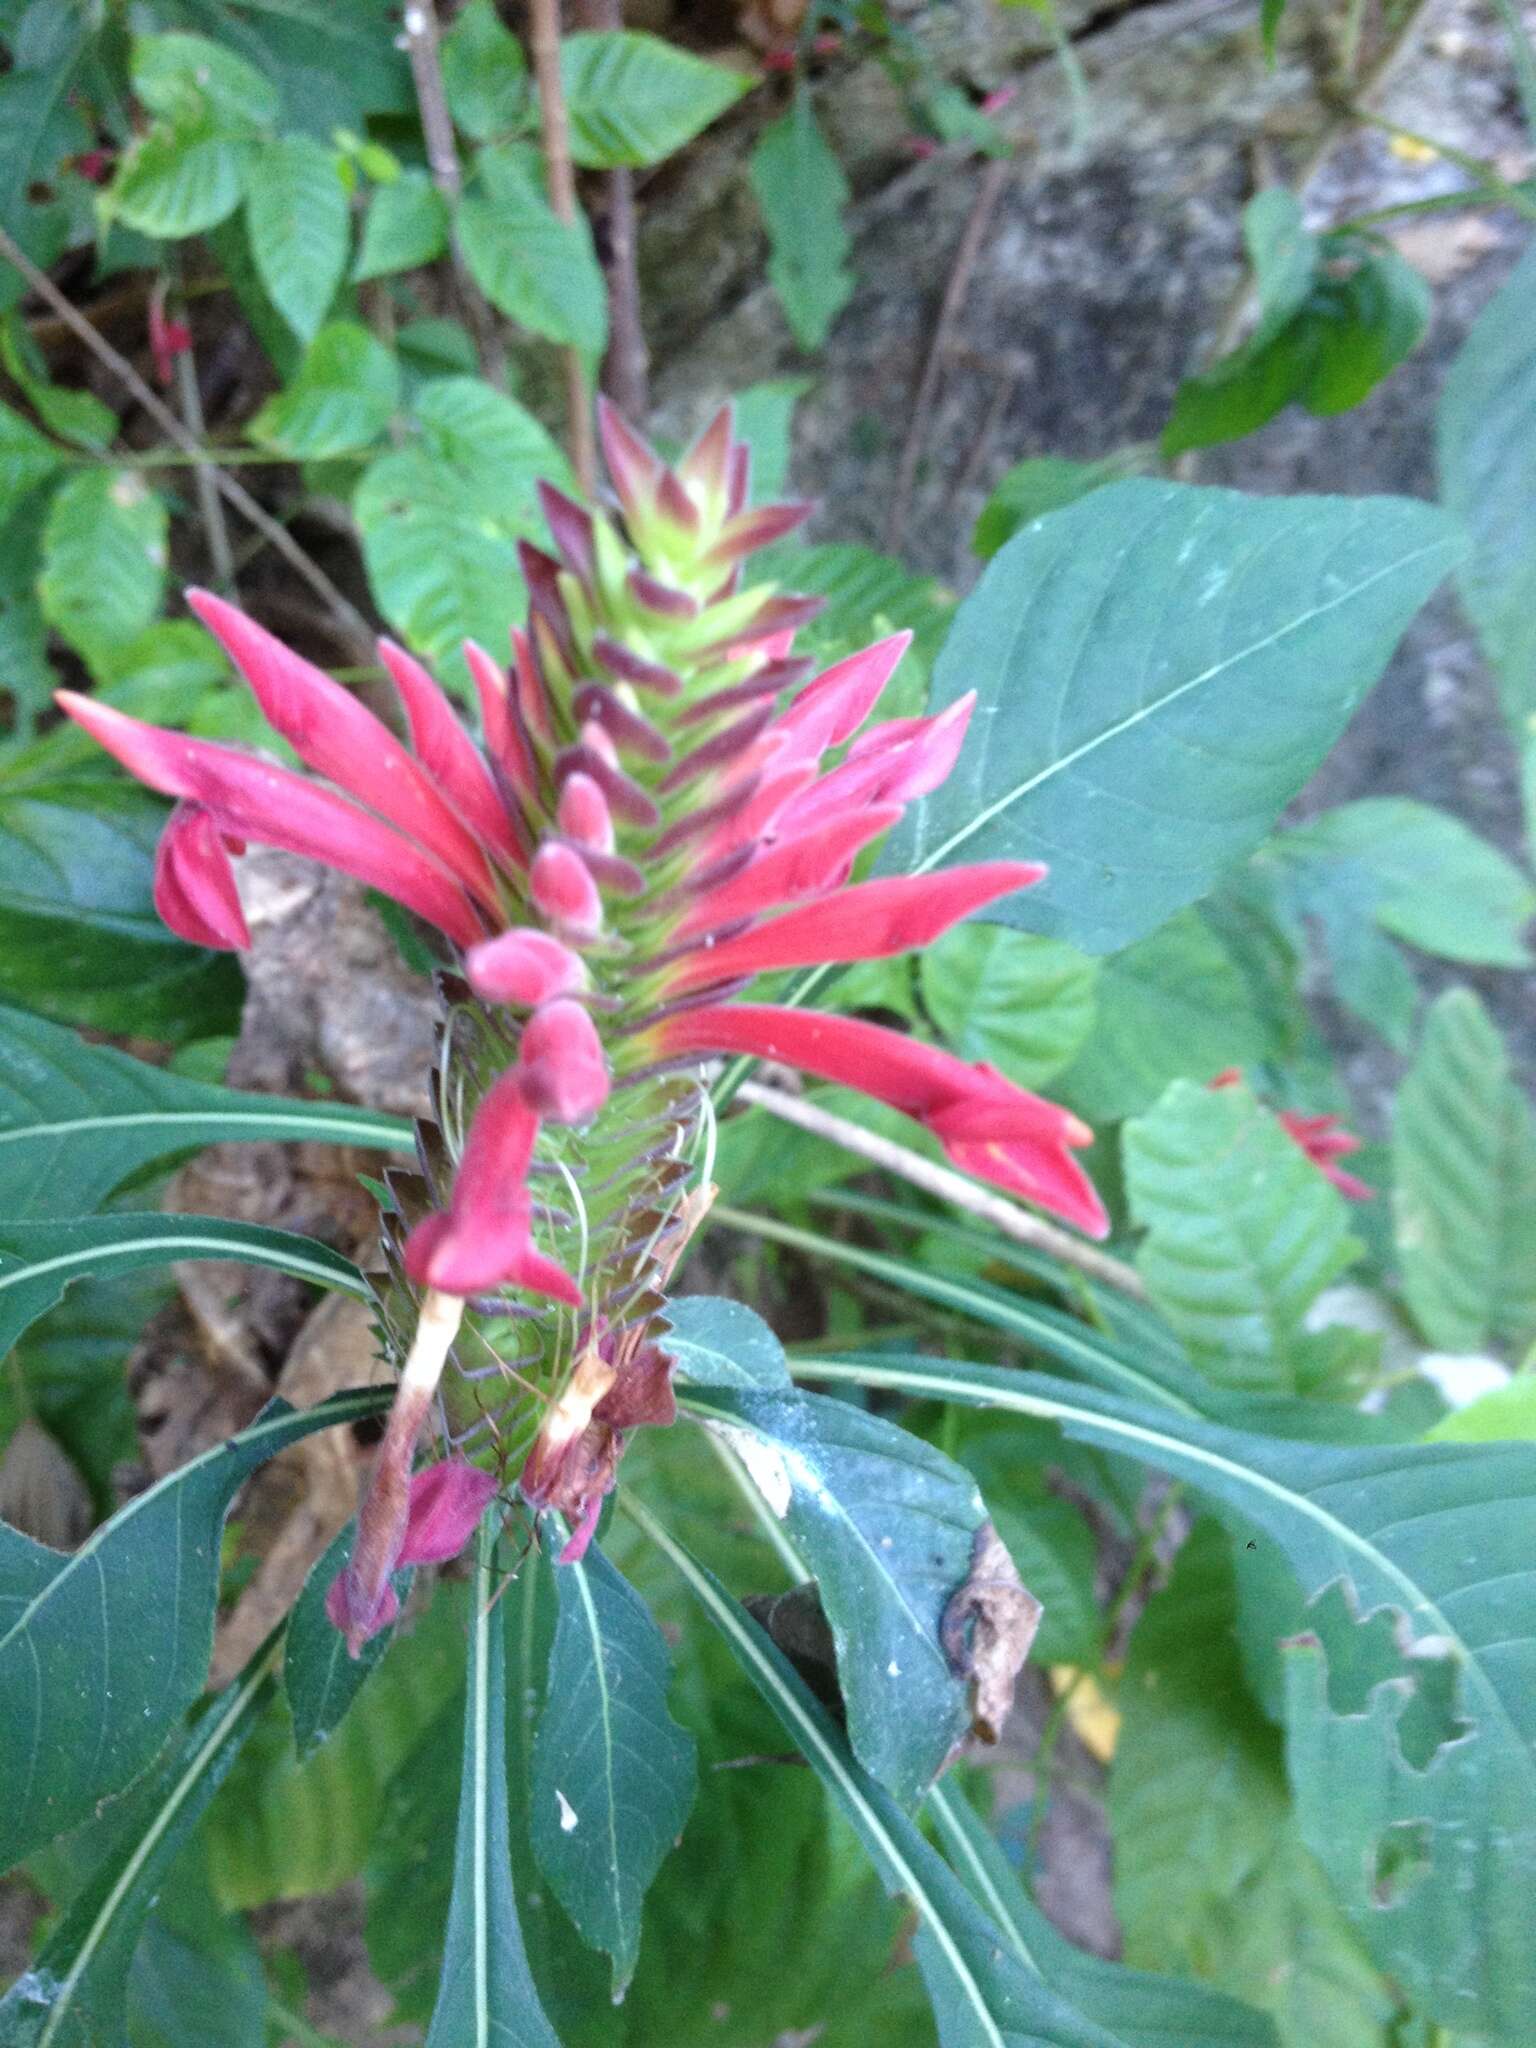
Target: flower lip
[[195, 889]]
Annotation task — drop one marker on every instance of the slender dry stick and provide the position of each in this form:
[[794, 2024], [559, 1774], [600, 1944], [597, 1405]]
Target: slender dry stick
[[348, 619], [948, 1185], [989, 190], [190, 398], [422, 44], [554, 132], [626, 366]]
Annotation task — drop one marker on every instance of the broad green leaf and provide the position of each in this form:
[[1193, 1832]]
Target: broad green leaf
[[1243, 1234], [38, 1261], [1210, 1878], [26, 459], [320, 1678], [1283, 255], [765, 416], [341, 400], [77, 1120], [1449, 1137], [1042, 484], [39, 127], [983, 1996], [1440, 1536], [1023, 1004], [1487, 461], [612, 1776], [485, 74], [177, 182], [1504, 1415], [331, 65], [887, 1524], [80, 939], [1175, 1004], [78, 416], [104, 554], [197, 1975], [486, 1997], [297, 217], [801, 190], [103, 1650], [406, 226], [1143, 2010], [1364, 322], [188, 79], [1160, 668], [633, 99], [1514, 1303], [540, 271], [717, 1343], [74, 1994], [1427, 879], [289, 1826], [440, 521]]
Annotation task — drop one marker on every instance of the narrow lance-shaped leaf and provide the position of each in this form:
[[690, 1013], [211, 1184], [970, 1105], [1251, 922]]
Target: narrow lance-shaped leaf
[[983, 1996], [76, 1120], [802, 191], [39, 1260], [888, 1525], [73, 1996], [102, 1650], [1444, 1543], [486, 1996], [319, 1677], [1141, 763], [613, 1776]]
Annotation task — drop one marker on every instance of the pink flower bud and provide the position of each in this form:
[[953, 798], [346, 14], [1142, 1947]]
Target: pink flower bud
[[525, 967], [583, 814], [564, 892], [564, 1074]]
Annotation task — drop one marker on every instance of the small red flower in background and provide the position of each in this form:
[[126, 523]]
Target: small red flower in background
[[665, 805], [1323, 1138], [168, 338]]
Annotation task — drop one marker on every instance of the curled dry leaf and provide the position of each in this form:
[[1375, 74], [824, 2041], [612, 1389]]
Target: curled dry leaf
[[987, 1629]]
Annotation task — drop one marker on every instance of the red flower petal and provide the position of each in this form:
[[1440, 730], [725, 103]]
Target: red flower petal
[[340, 738], [447, 1502], [195, 889], [448, 753], [255, 799], [866, 922], [790, 869]]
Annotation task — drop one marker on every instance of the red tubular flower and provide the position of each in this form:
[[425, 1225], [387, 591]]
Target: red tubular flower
[[168, 339], [664, 804], [1323, 1138]]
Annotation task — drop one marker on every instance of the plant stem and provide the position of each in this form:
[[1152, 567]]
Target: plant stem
[[349, 621], [555, 134], [190, 398], [626, 366], [422, 44], [948, 1185]]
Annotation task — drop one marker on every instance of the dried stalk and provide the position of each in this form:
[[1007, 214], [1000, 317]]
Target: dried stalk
[[555, 134]]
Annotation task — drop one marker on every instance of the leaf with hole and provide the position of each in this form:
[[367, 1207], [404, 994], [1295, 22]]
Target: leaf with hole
[[613, 1777], [1159, 669]]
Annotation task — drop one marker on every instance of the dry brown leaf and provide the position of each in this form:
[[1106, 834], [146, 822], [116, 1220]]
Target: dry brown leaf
[[988, 1626]]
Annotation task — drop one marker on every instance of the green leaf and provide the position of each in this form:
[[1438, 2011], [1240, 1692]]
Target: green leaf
[[319, 1677], [440, 521], [406, 226], [74, 1994], [1364, 324], [1487, 460], [1140, 766], [486, 1998], [1442, 1537], [67, 1372], [297, 217], [1140, 2009], [1448, 1191], [197, 1974], [982, 1995], [540, 271], [27, 458], [765, 417], [887, 1524], [1023, 1004], [613, 1776], [1043, 484], [1210, 1878], [190, 79], [633, 99], [484, 74], [1174, 1004], [104, 555], [1243, 1234], [1283, 255], [102, 1651], [77, 416], [80, 939], [38, 1261], [1504, 1414], [717, 1343], [341, 400], [1423, 875], [177, 182], [801, 191], [77, 1120]]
